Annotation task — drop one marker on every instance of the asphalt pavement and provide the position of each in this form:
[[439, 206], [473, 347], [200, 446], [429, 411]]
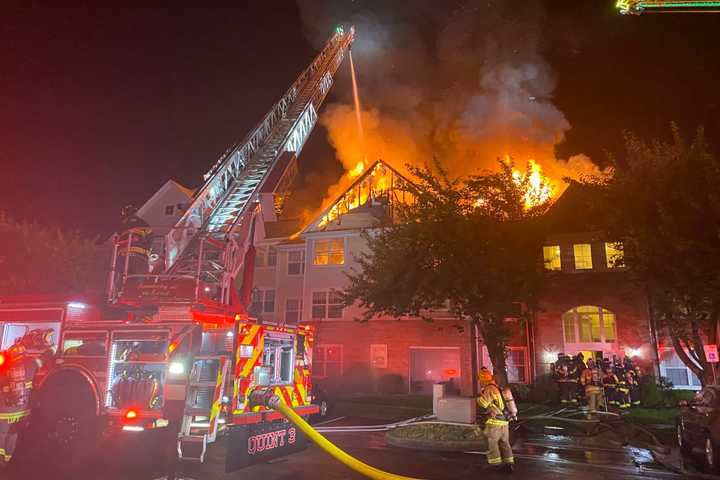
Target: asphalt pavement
[[538, 456]]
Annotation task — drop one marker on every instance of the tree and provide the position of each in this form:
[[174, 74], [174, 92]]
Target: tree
[[471, 243], [36, 259], [663, 201]]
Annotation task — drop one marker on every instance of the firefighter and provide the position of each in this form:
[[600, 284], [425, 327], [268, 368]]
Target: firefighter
[[16, 384], [622, 391], [633, 383], [134, 242], [579, 368], [561, 377], [499, 408], [592, 382], [610, 385]]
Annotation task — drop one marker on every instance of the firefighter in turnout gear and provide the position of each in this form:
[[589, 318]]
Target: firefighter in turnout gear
[[134, 242], [591, 380], [567, 377], [499, 408], [610, 384], [17, 373]]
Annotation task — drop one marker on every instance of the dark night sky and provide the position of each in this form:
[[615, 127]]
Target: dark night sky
[[102, 102]]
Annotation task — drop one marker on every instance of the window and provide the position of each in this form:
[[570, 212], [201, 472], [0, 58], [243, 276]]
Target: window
[[515, 361], [169, 209], [271, 259], [551, 257], [517, 365], [327, 361], [672, 368], [327, 305], [84, 344], [23, 332], [329, 252], [614, 255], [296, 262], [278, 359], [266, 257], [293, 310], [263, 301], [583, 256], [589, 324]]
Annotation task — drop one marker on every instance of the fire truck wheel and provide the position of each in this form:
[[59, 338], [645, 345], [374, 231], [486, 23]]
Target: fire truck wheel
[[64, 425]]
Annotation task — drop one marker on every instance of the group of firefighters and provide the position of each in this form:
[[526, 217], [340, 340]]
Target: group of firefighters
[[598, 383]]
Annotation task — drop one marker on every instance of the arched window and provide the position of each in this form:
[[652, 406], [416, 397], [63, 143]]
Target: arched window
[[589, 324]]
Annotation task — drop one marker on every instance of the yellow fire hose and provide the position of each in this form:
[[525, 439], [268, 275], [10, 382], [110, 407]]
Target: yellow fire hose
[[363, 468]]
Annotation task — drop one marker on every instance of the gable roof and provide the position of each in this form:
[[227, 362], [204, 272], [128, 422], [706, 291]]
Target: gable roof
[[170, 184], [377, 180]]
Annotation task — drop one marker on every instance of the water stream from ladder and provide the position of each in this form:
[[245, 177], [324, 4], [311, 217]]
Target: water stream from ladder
[[356, 99]]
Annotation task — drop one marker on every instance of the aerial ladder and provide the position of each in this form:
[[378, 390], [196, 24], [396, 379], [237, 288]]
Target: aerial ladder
[[637, 7], [207, 245]]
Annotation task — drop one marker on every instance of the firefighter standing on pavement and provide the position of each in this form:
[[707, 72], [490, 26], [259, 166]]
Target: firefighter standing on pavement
[[499, 408], [592, 381], [16, 384], [610, 384]]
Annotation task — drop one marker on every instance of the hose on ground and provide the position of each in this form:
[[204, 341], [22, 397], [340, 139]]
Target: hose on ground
[[350, 461]]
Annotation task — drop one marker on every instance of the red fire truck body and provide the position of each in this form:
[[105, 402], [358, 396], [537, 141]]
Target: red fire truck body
[[131, 368]]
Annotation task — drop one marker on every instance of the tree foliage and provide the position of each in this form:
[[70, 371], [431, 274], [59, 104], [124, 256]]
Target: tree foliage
[[467, 243], [36, 259], [663, 200]]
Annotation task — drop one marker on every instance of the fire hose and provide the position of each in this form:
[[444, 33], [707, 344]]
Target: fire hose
[[269, 399]]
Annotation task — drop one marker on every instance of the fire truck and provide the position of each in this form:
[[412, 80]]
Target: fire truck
[[173, 346]]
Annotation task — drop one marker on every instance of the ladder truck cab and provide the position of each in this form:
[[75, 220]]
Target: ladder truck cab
[[171, 344]]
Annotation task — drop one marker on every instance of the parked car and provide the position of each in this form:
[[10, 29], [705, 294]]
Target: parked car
[[323, 399], [698, 426]]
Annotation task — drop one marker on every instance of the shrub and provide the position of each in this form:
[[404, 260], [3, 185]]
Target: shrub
[[358, 378], [544, 390], [391, 383], [520, 391]]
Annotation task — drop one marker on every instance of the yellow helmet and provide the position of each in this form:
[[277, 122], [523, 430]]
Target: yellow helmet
[[485, 376]]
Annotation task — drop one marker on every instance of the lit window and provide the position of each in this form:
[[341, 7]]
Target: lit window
[[614, 255], [589, 324], [293, 310], [583, 256], [169, 209], [329, 252], [327, 305], [327, 361], [551, 257], [296, 262]]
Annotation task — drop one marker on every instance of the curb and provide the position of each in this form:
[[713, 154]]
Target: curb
[[435, 445]]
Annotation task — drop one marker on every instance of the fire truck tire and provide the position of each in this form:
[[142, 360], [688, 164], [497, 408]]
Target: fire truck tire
[[64, 427]]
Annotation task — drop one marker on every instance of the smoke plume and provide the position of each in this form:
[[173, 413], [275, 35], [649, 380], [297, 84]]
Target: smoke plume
[[464, 81]]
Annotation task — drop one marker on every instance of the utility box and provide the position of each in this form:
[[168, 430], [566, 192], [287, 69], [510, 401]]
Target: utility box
[[438, 393], [456, 409]]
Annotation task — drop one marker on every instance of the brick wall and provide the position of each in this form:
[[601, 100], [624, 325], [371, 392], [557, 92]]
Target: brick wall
[[399, 336], [612, 291]]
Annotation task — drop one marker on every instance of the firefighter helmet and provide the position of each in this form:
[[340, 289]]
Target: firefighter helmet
[[485, 376]]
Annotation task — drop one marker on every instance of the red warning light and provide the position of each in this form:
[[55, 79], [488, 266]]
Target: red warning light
[[3, 358]]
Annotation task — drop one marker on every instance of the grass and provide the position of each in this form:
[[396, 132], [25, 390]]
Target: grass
[[652, 416], [439, 432]]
